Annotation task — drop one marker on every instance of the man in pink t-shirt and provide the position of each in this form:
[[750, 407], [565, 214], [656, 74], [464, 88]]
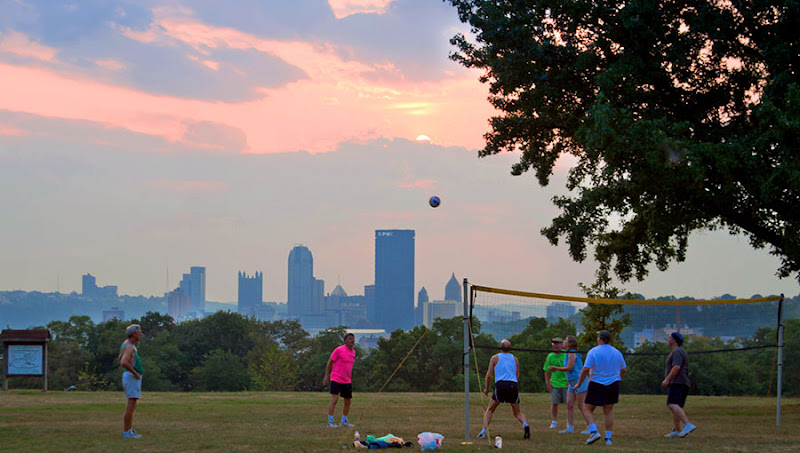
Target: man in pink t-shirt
[[338, 371]]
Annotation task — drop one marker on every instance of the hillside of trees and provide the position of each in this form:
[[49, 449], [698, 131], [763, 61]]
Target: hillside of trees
[[228, 352]]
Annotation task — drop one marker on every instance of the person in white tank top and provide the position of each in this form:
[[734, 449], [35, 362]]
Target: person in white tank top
[[505, 368]]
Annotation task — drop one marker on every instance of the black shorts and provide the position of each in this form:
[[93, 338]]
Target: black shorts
[[677, 394], [601, 395], [345, 390], [506, 392]]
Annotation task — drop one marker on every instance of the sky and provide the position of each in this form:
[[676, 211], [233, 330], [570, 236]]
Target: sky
[[139, 138]]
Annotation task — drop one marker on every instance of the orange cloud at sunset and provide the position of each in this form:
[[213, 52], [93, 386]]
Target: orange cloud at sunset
[[338, 100]]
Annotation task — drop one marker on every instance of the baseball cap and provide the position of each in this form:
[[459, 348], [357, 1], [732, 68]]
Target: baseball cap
[[677, 337], [557, 340], [604, 335]]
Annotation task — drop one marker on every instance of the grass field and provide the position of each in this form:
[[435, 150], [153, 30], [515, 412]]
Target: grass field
[[92, 421]]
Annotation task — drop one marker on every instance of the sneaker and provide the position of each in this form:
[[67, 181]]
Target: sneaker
[[586, 431], [347, 424], [526, 432], [594, 437], [687, 428], [130, 435], [674, 433], [569, 430], [608, 441], [553, 424], [332, 425], [481, 435]]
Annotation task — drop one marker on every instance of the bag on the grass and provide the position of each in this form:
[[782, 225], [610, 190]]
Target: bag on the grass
[[429, 441]]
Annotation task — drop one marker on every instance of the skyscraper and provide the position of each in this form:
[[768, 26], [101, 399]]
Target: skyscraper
[[422, 301], [453, 290], [394, 279], [194, 284], [251, 293], [302, 285]]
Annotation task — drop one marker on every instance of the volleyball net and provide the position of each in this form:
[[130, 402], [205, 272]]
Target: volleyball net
[[734, 345]]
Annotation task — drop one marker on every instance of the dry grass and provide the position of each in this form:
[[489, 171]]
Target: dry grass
[[81, 421]]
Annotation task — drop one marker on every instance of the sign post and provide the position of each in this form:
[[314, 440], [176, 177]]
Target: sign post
[[25, 353]]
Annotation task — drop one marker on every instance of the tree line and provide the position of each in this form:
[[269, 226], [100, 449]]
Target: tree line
[[229, 352]]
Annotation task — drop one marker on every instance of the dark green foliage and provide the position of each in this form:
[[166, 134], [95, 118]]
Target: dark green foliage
[[221, 371], [681, 116], [236, 353], [610, 317]]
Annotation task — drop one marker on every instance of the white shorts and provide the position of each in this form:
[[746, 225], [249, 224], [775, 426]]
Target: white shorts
[[131, 385]]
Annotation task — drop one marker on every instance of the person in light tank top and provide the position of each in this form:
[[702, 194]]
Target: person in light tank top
[[505, 368]]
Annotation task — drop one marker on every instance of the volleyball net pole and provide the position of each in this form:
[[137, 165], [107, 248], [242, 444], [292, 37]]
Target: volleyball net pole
[[467, 342], [780, 361]]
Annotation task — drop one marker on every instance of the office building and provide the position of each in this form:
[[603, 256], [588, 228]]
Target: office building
[[453, 290], [251, 292], [394, 279]]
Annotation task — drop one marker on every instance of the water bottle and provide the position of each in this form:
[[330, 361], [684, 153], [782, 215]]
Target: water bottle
[[357, 437], [498, 442]]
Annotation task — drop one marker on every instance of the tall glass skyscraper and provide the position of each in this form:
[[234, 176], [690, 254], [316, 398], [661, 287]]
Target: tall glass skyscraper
[[394, 279], [194, 285], [302, 289]]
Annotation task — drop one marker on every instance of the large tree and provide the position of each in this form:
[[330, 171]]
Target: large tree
[[681, 116]]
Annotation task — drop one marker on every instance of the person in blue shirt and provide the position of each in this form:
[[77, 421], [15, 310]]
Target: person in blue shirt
[[607, 368], [505, 368], [573, 364]]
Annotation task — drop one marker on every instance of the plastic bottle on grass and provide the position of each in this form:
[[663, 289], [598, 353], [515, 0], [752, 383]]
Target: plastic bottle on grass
[[357, 437], [498, 442]]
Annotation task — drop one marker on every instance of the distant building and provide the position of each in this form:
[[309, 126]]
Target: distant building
[[419, 312], [306, 293], [113, 313], [444, 309], [264, 312], [344, 310], [369, 294], [89, 288], [558, 310], [394, 279], [179, 304], [89, 285], [194, 284], [453, 290], [250, 296]]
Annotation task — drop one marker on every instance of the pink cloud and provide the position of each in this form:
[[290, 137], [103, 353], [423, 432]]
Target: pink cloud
[[6, 129], [188, 186], [19, 44], [339, 100], [427, 184], [344, 8]]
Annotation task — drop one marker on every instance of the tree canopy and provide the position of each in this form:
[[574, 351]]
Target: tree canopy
[[681, 116]]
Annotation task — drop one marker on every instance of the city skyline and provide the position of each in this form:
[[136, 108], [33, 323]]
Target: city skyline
[[139, 139]]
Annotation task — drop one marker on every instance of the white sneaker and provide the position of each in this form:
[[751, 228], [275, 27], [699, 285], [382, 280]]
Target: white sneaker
[[594, 437], [608, 441], [481, 435], [347, 424], [687, 428], [674, 433], [569, 430], [332, 425], [131, 434], [553, 424], [586, 431]]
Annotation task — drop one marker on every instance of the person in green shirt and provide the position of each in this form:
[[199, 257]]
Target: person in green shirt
[[131, 377], [556, 381]]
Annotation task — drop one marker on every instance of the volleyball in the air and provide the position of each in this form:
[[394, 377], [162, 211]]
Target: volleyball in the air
[[434, 201]]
